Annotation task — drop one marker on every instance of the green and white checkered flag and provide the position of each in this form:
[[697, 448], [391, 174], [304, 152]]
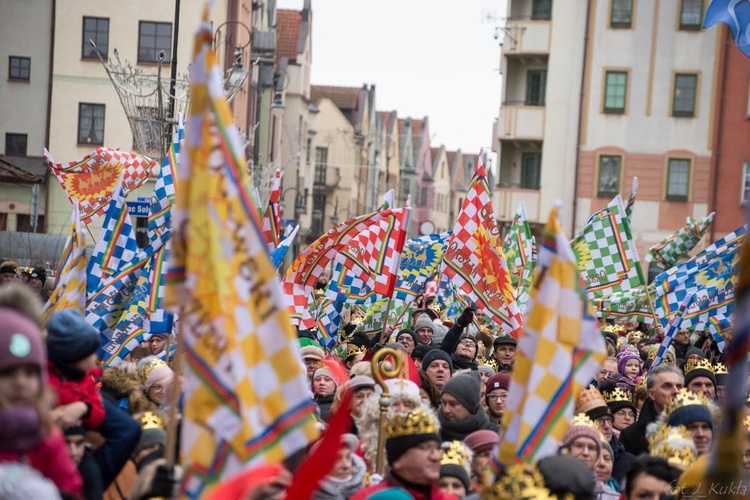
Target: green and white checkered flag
[[607, 257], [519, 248], [676, 246], [625, 305]]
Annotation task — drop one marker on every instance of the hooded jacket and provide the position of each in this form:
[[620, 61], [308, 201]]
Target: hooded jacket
[[332, 488]]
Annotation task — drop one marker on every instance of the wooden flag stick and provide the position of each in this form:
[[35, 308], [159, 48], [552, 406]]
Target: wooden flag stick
[[174, 400]]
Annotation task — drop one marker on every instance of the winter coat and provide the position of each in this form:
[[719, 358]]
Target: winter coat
[[622, 460], [71, 390], [633, 437], [324, 404], [458, 430], [51, 459], [341, 489]]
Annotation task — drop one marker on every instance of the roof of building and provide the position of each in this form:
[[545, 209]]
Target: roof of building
[[347, 99], [22, 169], [287, 33]]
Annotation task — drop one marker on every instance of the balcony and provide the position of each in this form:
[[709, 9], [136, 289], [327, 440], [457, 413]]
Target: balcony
[[527, 37], [506, 199], [326, 178], [518, 122]]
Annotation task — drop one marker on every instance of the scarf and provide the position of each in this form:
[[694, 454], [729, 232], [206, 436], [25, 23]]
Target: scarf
[[458, 430], [20, 429], [332, 488], [460, 363]]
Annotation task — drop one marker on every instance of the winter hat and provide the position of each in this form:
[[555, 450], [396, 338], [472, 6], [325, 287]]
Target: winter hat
[[592, 404], [9, 267], [76, 430], [152, 431], [456, 462], [687, 407], [721, 372], [333, 369], [309, 349], [403, 432], [161, 374], [465, 388], [692, 350], [434, 355], [360, 382], [70, 338], [625, 355], [504, 340], [473, 341], [701, 368], [565, 475], [497, 381], [617, 399], [482, 440], [401, 386], [20, 341], [424, 322], [21, 428], [608, 447], [421, 350], [410, 332], [486, 369], [583, 426], [39, 273]]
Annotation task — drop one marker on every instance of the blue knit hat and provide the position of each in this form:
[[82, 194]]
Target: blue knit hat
[[689, 415], [70, 338]]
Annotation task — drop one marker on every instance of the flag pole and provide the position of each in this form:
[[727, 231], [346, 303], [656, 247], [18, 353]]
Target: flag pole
[[174, 399], [385, 320]]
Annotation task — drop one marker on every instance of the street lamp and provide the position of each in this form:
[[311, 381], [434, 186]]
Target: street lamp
[[300, 201], [335, 216]]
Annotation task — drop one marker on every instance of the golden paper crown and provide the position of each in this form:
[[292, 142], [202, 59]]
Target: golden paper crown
[[634, 335], [617, 395], [520, 482], [414, 423], [455, 453], [150, 420], [674, 444], [618, 329], [436, 307], [720, 369], [685, 397], [699, 364], [583, 420], [148, 368], [641, 384], [589, 399], [491, 362], [746, 423], [652, 349], [353, 350], [620, 343]]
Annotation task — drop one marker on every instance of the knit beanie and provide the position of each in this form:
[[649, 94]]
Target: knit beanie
[[455, 470], [421, 350], [582, 426], [497, 381], [20, 342], [701, 368], [465, 388], [608, 447], [70, 338], [482, 440], [486, 369], [592, 404], [687, 407], [424, 322], [564, 474], [626, 355], [324, 370], [161, 374], [692, 350], [434, 355], [312, 352]]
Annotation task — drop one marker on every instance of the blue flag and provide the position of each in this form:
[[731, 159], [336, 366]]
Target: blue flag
[[736, 15]]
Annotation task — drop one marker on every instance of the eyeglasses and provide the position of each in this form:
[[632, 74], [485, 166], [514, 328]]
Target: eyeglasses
[[466, 341], [497, 397]]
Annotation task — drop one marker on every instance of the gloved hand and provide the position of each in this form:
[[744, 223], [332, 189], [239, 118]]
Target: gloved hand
[[466, 317], [164, 483]]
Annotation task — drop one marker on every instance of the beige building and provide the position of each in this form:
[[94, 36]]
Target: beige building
[[441, 183]]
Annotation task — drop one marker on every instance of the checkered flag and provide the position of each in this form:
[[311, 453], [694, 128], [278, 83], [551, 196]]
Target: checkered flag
[[519, 248], [474, 259], [607, 257], [677, 245]]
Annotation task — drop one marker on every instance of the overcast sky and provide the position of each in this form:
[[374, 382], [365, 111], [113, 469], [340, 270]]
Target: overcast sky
[[435, 58]]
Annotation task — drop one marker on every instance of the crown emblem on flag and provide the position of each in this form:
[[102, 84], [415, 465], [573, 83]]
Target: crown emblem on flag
[[412, 424], [617, 395], [720, 369], [701, 364], [674, 444], [685, 397], [455, 453]]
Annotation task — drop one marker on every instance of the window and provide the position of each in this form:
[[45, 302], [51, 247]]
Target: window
[[536, 84], [19, 68], [96, 29], [15, 144], [25, 224], [691, 14], [152, 39], [541, 9], [678, 179], [621, 15], [405, 189], [746, 185], [90, 123], [615, 91], [321, 165], [609, 175], [531, 168], [683, 99], [319, 213], [423, 196]]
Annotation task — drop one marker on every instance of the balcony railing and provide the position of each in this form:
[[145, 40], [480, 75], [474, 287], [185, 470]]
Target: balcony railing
[[506, 200], [527, 37], [520, 122], [326, 177]]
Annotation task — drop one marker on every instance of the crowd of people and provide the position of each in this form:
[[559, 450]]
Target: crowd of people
[[70, 428]]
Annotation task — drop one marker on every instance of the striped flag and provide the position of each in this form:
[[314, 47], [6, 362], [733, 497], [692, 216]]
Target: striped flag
[[272, 218], [246, 393], [677, 245], [519, 248], [279, 253], [559, 352], [474, 259], [70, 287]]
